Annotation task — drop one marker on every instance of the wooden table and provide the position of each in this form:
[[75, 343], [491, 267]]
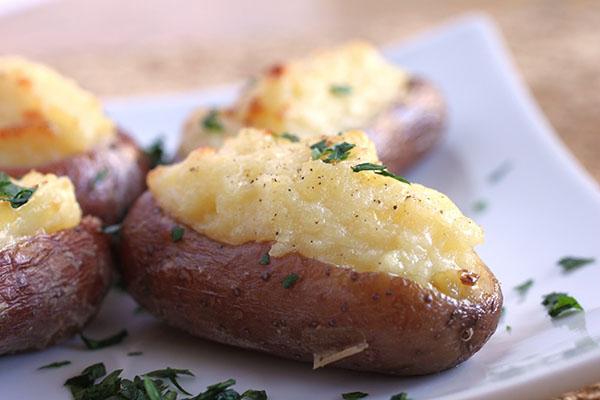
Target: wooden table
[[118, 48]]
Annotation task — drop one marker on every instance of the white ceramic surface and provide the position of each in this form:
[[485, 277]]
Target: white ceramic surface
[[544, 208]]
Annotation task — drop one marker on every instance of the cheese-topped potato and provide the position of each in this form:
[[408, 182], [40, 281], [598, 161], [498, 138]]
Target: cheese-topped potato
[[327, 199], [46, 204], [328, 92], [45, 117]]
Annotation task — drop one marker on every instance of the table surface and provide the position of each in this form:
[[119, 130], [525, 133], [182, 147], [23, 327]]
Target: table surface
[[121, 48]]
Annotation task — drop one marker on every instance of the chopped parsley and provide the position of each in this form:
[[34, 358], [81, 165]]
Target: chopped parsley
[[212, 122], [508, 328], [573, 263], [290, 136], [524, 287], [177, 233], [559, 304], [332, 154], [290, 280], [148, 386], [93, 344], [354, 395], [379, 170], [56, 364], [156, 152], [265, 259], [400, 396], [99, 177], [134, 353], [500, 172], [340, 90], [14, 194], [480, 206]]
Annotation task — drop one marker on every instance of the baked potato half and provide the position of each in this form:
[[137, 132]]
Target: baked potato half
[[55, 266], [50, 124], [313, 251], [352, 87]]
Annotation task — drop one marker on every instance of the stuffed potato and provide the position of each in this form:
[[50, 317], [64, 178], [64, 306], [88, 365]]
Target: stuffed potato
[[310, 250], [352, 87], [55, 266], [50, 124]]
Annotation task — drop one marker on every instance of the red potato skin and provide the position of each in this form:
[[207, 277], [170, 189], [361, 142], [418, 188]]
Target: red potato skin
[[51, 285], [222, 293], [410, 127], [109, 194]]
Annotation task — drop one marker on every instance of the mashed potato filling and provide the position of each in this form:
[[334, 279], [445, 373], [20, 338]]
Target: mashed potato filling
[[45, 117], [51, 208], [261, 187], [326, 93]]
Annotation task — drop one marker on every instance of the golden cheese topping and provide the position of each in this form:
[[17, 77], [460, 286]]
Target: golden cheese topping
[[326, 93], [45, 117], [265, 188], [51, 208]]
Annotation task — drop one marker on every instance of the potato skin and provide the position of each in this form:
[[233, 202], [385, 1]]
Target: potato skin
[[107, 179], [410, 127], [51, 285], [222, 292]]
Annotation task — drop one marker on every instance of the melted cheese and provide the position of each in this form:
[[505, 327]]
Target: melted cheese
[[326, 93], [45, 117], [51, 208], [262, 188]]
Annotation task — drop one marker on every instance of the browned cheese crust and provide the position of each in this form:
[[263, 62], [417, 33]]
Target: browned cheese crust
[[52, 285], [410, 127], [222, 293], [107, 179]]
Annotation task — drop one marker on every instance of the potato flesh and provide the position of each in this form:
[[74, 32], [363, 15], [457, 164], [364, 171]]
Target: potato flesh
[[301, 97], [45, 117], [52, 208], [261, 188]]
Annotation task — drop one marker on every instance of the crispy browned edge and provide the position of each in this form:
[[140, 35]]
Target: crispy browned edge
[[51, 285], [410, 127], [107, 179], [222, 292]]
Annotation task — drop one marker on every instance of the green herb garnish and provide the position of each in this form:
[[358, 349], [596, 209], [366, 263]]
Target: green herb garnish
[[265, 259], [156, 152], [290, 136], [508, 328], [93, 344], [177, 233], [340, 90], [379, 170], [400, 396], [99, 177], [573, 263], [212, 122], [56, 364], [332, 154], [524, 287], [152, 390], [14, 194], [134, 353], [500, 172], [290, 280], [354, 395], [559, 304], [480, 206], [254, 395], [171, 374]]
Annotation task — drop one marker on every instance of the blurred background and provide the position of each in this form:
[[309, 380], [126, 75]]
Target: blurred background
[[122, 48]]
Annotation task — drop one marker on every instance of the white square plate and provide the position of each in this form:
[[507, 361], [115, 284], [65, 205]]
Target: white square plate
[[544, 208]]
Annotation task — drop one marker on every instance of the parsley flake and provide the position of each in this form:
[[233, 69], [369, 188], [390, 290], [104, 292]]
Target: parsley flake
[[99, 177], [332, 154], [573, 263], [340, 90], [14, 194], [524, 287], [400, 396], [290, 136], [171, 374], [265, 259], [134, 353], [156, 152], [177, 233], [93, 344], [212, 122], [559, 304], [379, 170], [290, 280], [56, 364], [480, 206]]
